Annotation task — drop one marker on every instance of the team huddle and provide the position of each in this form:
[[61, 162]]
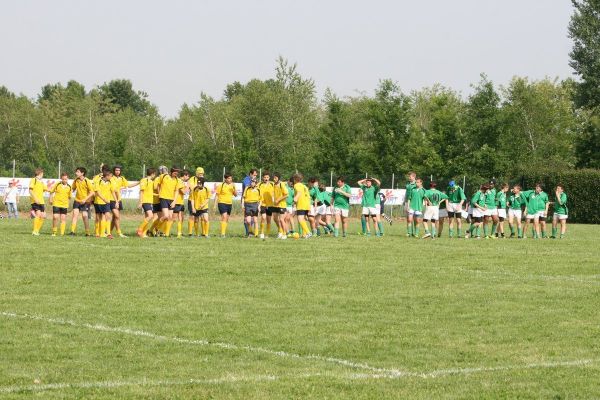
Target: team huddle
[[295, 208]]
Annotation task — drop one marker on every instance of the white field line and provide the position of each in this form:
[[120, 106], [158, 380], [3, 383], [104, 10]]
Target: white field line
[[564, 278], [204, 342], [270, 378]]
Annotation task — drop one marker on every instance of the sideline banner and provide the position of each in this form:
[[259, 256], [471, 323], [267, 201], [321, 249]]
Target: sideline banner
[[393, 196]]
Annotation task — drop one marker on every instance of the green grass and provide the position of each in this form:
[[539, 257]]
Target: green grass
[[461, 318]]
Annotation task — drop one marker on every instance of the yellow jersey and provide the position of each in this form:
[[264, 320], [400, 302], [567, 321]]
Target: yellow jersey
[[121, 183], [280, 190], [225, 193], [266, 192], [303, 202], [61, 195], [155, 198], [251, 195], [200, 197], [105, 189], [183, 189], [168, 185], [147, 190], [37, 188], [82, 189], [193, 181]]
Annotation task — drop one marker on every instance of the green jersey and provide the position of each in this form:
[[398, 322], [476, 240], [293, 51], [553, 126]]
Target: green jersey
[[455, 194], [501, 200], [325, 197], [339, 200], [369, 195], [490, 198], [560, 205], [540, 201], [535, 201], [478, 199], [410, 186], [290, 198], [416, 199], [515, 201], [314, 195], [435, 197]]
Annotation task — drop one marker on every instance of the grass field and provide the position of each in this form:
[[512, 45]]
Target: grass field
[[358, 317]]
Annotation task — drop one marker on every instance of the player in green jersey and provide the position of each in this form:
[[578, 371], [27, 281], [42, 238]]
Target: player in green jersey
[[313, 191], [515, 212], [410, 185], [370, 199], [433, 199], [479, 208], [490, 220], [561, 212], [290, 212], [537, 209], [415, 208], [323, 217], [501, 206], [341, 206], [454, 205]]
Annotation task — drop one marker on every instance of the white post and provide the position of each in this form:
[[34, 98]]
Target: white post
[[464, 182], [14, 167], [223, 174], [331, 179], [366, 175], [144, 171], [260, 174], [431, 178], [59, 162], [391, 205]]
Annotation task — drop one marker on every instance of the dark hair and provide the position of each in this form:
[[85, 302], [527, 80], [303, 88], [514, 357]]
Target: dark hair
[[64, 174], [38, 171], [253, 170], [201, 181], [105, 169], [227, 175], [312, 179], [539, 184], [432, 184], [150, 171], [186, 172], [82, 170], [560, 185], [117, 166], [277, 175], [341, 178], [322, 187], [297, 177], [266, 173], [504, 185], [175, 168]]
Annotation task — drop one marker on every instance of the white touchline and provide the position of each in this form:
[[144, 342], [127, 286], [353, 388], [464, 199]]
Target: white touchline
[[204, 342], [377, 373]]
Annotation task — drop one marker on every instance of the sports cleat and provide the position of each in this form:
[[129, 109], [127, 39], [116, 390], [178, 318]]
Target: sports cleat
[[425, 236], [54, 234], [35, 233], [72, 234], [122, 236], [262, 235]]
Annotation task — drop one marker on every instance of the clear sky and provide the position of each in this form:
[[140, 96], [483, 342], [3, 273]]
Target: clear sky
[[174, 50]]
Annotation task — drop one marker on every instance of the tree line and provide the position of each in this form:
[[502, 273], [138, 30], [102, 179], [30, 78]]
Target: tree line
[[280, 123]]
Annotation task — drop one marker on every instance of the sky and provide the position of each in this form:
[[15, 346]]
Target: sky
[[174, 50]]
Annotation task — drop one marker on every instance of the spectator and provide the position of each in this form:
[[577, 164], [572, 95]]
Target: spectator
[[11, 199]]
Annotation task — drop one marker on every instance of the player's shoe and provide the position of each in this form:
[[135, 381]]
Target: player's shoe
[[122, 236], [72, 234], [262, 236], [427, 235], [109, 236], [54, 235], [35, 233]]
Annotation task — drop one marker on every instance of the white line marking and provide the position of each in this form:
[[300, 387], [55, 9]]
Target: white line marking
[[204, 342]]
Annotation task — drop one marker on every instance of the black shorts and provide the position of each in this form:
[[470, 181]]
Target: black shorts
[[113, 205], [147, 207], [38, 207], [302, 212], [178, 208], [156, 208], [199, 213], [190, 208], [277, 210], [165, 203], [102, 208], [81, 206], [59, 210], [451, 214], [251, 209], [477, 219], [266, 210], [224, 208]]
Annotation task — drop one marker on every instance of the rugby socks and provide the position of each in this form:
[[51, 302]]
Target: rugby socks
[[223, 228], [363, 223], [520, 233], [179, 228], [142, 228], [554, 230], [168, 225], [63, 226], [410, 229], [485, 229], [336, 232], [262, 227], [198, 225], [205, 228], [191, 227], [268, 228], [450, 233], [305, 227], [459, 232], [246, 228], [73, 227], [380, 226], [494, 228], [433, 231]]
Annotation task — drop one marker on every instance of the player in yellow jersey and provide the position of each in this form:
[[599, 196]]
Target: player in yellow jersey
[[146, 200], [60, 194], [302, 201], [192, 183], [179, 210], [224, 200], [84, 191], [280, 194], [266, 204], [168, 192], [156, 208], [251, 198], [104, 190], [38, 206], [116, 206], [200, 197], [95, 181]]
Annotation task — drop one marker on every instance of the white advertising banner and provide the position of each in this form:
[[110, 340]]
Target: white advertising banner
[[393, 196]]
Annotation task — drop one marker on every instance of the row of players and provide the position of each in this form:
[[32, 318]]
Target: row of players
[[162, 200], [488, 208]]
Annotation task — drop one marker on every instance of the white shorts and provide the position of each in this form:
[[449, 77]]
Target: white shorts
[[370, 211], [478, 213], [502, 213], [443, 213], [559, 217], [432, 213], [538, 215], [490, 211], [290, 210], [341, 211], [378, 207], [312, 212], [470, 211], [415, 212], [453, 207], [515, 213], [464, 214], [321, 210]]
